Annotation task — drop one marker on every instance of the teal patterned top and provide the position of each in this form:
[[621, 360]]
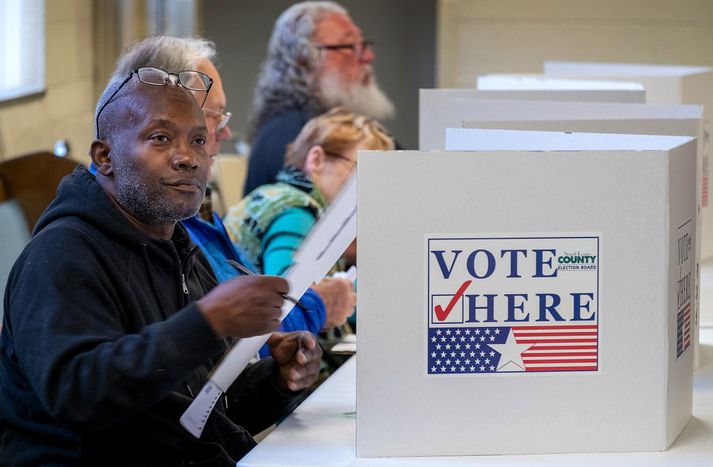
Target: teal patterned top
[[269, 213]]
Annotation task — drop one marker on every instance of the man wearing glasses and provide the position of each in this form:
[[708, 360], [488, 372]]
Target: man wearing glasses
[[328, 302], [113, 318], [317, 59], [175, 54], [216, 117]]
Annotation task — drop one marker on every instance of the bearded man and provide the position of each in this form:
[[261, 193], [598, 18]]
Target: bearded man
[[317, 59]]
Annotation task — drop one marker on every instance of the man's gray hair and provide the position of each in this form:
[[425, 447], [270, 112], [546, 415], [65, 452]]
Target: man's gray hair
[[286, 79], [172, 54]]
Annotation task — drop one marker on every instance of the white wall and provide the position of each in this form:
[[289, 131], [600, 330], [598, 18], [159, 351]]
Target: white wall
[[515, 36]]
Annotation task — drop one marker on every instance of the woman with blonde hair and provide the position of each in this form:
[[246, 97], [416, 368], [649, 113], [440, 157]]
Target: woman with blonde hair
[[271, 222]]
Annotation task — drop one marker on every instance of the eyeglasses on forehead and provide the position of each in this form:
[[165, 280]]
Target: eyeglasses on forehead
[[192, 80]]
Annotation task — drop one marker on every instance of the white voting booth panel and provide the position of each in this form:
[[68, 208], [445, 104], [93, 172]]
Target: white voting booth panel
[[477, 247], [436, 107], [505, 82], [471, 138], [567, 116], [507, 110], [664, 84], [633, 126], [603, 117], [686, 124], [642, 119]]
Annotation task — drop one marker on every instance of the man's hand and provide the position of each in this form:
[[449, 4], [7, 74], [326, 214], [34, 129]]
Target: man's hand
[[297, 356], [244, 306], [339, 298]]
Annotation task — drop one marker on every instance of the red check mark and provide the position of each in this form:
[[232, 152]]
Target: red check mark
[[442, 314]]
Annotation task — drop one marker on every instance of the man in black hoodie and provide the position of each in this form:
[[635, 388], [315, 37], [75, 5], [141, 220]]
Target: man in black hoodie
[[113, 318]]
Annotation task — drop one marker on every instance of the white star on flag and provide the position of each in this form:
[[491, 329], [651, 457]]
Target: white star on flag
[[510, 354]]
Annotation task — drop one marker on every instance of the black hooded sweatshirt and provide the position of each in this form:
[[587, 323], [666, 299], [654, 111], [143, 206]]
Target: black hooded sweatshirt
[[103, 347]]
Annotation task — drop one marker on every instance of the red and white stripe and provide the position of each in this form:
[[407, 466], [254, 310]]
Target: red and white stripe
[[559, 348], [704, 192], [687, 326]]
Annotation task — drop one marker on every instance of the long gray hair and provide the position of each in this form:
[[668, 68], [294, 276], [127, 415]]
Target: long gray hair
[[286, 77]]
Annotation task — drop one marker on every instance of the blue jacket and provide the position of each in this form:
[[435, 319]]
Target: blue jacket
[[213, 240]]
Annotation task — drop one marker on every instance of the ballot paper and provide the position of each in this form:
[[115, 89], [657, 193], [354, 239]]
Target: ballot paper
[[349, 274], [346, 346], [326, 242]]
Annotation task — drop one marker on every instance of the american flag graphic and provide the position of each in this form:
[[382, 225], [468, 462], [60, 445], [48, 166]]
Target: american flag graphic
[[704, 190], [559, 348], [683, 329], [513, 349]]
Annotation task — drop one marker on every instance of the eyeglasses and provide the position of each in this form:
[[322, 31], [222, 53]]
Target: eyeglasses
[[189, 79], [358, 48], [339, 156], [224, 118]]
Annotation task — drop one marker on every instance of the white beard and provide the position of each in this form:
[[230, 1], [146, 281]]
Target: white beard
[[368, 99]]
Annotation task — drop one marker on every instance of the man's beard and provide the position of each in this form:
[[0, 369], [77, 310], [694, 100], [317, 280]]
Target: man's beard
[[367, 99], [147, 201]]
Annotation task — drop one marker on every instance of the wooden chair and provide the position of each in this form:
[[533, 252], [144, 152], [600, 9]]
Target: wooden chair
[[27, 186], [32, 181], [14, 235]]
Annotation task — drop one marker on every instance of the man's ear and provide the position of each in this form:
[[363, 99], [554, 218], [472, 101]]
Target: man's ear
[[99, 152], [314, 162]]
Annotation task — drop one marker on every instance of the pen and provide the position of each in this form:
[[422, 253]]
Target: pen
[[247, 271]]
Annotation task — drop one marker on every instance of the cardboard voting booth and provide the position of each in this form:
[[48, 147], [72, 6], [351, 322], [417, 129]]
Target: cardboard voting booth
[[520, 82], [641, 119], [437, 108], [664, 84], [530, 296]]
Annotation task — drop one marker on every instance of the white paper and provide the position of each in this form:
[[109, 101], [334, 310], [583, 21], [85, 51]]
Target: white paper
[[344, 347], [326, 242], [350, 274], [195, 417]]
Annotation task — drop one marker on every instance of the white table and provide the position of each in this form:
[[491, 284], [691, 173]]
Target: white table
[[322, 431]]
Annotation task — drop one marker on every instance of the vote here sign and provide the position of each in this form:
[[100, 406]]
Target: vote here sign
[[513, 303]]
